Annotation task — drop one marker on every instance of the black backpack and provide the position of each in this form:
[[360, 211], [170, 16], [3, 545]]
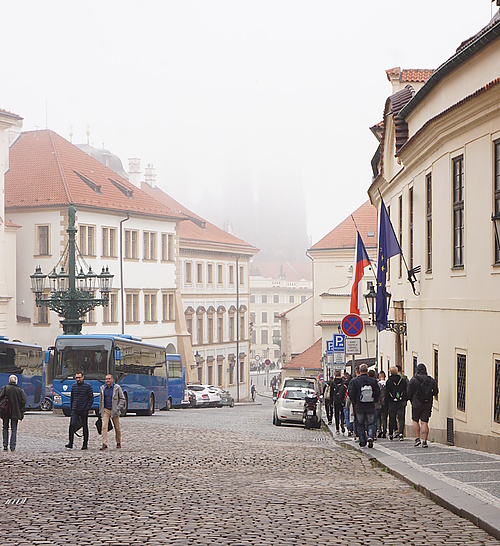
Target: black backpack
[[338, 393], [4, 404], [425, 390], [397, 390]]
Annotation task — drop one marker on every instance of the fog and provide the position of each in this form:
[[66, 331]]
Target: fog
[[255, 114]]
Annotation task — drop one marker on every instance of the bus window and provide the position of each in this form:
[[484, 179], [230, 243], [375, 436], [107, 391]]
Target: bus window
[[174, 369]]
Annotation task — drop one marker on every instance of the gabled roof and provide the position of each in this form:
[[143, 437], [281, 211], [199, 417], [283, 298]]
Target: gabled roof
[[409, 75], [195, 228], [45, 170], [310, 359], [344, 235]]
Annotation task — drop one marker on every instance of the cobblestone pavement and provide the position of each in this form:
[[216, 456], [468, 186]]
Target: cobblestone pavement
[[210, 476]]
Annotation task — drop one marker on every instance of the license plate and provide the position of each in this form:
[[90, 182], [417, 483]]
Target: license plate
[[310, 412]]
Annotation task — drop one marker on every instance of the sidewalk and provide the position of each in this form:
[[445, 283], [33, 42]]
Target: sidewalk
[[464, 481]]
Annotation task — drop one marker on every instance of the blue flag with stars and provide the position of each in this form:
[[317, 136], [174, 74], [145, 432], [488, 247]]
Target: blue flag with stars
[[388, 246]]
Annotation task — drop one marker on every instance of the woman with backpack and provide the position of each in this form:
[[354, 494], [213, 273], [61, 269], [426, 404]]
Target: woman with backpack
[[395, 400], [421, 390]]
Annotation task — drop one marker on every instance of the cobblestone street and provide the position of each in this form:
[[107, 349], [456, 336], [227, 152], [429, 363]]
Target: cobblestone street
[[215, 476]]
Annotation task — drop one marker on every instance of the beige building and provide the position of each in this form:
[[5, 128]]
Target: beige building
[[438, 170]]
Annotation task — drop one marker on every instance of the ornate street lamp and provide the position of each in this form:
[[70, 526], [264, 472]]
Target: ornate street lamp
[[71, 294], [371, 304]]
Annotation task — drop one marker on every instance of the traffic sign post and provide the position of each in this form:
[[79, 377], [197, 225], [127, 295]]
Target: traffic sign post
[[353, 346]]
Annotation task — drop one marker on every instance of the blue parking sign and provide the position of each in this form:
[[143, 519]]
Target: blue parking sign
[[339, 343], [329, 346]]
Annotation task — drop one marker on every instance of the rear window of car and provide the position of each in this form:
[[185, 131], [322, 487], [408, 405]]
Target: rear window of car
[[295, 395], [299, 383], [196, 388]]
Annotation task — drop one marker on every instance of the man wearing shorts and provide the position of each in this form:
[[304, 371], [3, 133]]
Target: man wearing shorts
[[421, 391]]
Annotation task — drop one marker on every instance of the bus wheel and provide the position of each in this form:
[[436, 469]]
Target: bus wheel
[[151, 407], [67, 412], [168, 405], [124, 410]]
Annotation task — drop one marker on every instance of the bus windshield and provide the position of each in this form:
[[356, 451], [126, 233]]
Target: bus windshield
[[92, 357]]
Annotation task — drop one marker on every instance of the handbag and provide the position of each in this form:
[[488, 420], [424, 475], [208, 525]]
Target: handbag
[[98, 425]]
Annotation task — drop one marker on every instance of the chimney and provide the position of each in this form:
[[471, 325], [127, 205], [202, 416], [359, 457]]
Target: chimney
[[134, 171], [150, 176]]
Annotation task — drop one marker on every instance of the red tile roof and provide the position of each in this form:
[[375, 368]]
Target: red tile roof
[[196, 229], [310, 359], [47, 170], [409, 75], [344, 235]]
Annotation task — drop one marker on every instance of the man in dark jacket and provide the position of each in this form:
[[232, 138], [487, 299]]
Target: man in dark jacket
[[395, 400], [82, 398], [17, 403], [421, 390], [338, 397], [364, 391], [327, 399]]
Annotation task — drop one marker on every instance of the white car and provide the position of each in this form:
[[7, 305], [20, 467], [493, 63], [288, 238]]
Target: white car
[[289, 407], [205, 396]]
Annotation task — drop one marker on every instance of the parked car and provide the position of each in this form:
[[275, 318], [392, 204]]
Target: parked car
[[299, 382], [205, 396], [289, 407], [226, 398]]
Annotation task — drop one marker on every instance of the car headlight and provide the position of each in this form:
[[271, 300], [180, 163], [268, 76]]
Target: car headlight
[[57, 400]]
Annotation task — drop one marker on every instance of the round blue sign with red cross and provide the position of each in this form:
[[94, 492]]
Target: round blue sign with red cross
[[352, 325]]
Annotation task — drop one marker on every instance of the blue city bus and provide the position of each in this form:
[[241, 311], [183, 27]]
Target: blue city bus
[[26, 361], [151, 379]]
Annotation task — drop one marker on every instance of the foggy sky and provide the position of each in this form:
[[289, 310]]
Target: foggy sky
[[227, 93]]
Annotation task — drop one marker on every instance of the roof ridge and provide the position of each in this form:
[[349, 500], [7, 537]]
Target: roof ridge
[[59, 166]]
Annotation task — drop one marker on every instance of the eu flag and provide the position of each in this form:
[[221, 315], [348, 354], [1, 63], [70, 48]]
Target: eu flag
[[388, 246]]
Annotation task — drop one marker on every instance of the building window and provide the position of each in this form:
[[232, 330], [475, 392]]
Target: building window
[[210, 327], [496, 408], [199, 329], [150, 307], [276, 317], [252, 298], [42, 240], [199, 273], [219, 375], [242, 327], [189, 325], [276, 354], [276, 298], [231, 274], [291, 299], [276, 334], [242, 276], [253, 336], [302, 299], [109, 311], [461, 381], [168, 306], [210, 374], [231, 373], [497, 194], [200, 373], [264, 317], [132, 309], [400, 235], [410, 226], [149, 249], [131, 247], [42, 314], [220, 274], [220, 328], [188, 269], [167, 247], [90, 317], [458, 212], [231, 327], [428, 196], [87, 240], [436, 368], [264, 298], [109, 242], [264, 337], [242, 372], [210, 273]]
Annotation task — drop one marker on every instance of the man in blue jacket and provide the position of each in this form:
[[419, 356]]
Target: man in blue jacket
[[82, 398]]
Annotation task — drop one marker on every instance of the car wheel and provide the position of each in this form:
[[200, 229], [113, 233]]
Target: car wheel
[[151, 405], [307, 423], [277, 422], [318, 424], [46, 404], [232, 404], [168, 405], [125, 409]]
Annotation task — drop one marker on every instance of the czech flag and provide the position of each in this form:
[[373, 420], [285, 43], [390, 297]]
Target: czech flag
[[362, 261]]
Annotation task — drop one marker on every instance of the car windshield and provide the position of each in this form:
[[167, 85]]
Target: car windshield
[[300, 383]]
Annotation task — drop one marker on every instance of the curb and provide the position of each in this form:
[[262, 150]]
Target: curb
[[481, 514]]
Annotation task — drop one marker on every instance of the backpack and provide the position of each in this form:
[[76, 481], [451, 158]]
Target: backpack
[[366, 394], [4, 404], [425, 390], [338, 393], [327, 392], [398, 394]]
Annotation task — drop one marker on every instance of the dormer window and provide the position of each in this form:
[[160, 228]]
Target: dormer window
[[126, 191], [90, 184]]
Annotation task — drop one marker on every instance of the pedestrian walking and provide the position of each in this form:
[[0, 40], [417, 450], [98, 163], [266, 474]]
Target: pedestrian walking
[[17, 403], [395, 398], [328, 400], [364, 392], [253, 392], [338, 397], [82, 398], [381, 408], [111, 404], [421, 391], [348, 408]]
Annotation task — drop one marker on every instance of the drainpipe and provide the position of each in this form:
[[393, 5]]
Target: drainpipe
[[122, 290]]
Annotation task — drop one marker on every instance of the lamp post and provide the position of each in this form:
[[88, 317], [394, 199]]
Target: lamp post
[[72, 294], [370, 299]]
